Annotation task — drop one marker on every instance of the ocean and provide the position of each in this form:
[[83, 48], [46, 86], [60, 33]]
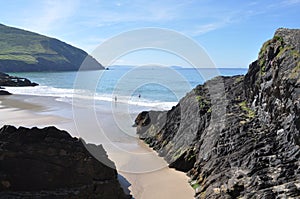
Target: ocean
[[157, 88], [96, 117]]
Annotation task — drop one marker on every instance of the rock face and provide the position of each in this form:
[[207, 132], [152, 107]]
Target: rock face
[[238, 136], [49, 163], [24, 51]]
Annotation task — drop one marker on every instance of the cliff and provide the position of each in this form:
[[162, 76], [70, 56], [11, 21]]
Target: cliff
[[238, 136], [49, 163], [24, 51]]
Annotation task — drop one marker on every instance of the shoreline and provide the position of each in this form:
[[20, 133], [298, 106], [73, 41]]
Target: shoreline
[[145, 174]]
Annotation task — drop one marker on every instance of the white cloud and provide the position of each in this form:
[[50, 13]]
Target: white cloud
[[118, 4], [290, 2], [202, 29], [183, 13], [51, 14], [214, 24], [108, 13], [283, 3]]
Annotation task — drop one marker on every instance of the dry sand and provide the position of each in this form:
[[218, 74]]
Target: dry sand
[[141, 170], [14, 110]]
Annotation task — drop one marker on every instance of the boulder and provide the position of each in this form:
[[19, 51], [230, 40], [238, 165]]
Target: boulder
[[49, 163]]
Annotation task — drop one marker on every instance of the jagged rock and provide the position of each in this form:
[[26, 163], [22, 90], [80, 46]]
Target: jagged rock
[[250, 150], [49, 163], [142, 119], [7, 80]]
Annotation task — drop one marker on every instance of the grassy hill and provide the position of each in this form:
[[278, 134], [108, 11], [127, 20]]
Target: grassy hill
[[24, 51]]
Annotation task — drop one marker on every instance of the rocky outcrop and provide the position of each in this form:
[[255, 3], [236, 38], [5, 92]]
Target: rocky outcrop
[[7, 80], [238, 136], [2, 92], [49, 163]]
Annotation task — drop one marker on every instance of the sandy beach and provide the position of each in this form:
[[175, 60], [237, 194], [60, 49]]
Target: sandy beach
[[141, 170]]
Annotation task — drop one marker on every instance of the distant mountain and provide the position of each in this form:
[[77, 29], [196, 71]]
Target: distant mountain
[[24, 51], [177, 67]]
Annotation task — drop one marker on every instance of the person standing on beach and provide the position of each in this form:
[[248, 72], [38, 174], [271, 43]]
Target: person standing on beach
[[116, 99]]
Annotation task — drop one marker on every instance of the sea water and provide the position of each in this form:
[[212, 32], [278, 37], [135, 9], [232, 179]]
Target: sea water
[[154, 87]]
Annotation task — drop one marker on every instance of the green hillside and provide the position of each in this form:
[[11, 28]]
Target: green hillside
[[24, 51]]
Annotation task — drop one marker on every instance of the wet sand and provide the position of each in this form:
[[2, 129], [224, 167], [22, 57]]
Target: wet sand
[[146, 174]]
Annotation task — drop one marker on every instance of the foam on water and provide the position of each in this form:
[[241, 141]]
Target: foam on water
[[68, 96], [158, 89]]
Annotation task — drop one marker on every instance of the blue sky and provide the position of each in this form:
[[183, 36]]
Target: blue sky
[[231, 32]]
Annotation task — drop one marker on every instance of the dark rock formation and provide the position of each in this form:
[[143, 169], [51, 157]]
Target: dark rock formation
[[238, 136], [7, 80], [24, 51], [49, 163], [2, 92]]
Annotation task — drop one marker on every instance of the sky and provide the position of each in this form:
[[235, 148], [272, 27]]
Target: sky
[[231, 32]]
